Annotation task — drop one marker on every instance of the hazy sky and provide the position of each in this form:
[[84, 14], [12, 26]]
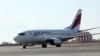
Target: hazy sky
[[20, 15]]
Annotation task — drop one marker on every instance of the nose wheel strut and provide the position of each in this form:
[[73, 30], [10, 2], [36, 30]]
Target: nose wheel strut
[[24, 46]]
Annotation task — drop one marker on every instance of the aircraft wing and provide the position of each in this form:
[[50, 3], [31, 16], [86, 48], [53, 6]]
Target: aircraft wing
[[71, 37], [89, 29], [67, 38]]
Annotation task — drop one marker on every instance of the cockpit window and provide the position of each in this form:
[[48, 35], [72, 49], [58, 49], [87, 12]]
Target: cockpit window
[[21, 34]]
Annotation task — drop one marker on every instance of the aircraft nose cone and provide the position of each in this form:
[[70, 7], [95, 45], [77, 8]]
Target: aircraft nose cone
[[15, 39]]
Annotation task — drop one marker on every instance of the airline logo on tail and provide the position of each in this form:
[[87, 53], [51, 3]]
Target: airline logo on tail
[[77, 21]]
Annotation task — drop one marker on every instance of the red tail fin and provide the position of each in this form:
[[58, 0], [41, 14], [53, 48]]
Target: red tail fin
[[77, 20]]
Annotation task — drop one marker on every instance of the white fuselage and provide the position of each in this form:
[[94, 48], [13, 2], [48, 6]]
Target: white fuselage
[[40, 36]]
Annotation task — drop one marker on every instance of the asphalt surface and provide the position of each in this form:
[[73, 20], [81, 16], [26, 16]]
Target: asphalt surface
[[50, 51]]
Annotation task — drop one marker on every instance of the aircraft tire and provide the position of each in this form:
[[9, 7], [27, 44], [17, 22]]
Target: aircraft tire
[[59, 45], [44, 45], [24, 46]]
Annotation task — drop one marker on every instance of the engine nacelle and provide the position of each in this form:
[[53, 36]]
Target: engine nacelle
[[55, 41]]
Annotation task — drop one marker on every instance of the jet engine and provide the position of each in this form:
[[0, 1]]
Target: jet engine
[[55, 41]]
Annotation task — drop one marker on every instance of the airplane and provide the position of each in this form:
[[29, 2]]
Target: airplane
[[53, 37]]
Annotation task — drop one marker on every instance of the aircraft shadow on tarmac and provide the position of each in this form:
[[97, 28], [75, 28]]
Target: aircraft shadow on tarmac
[[32, 47]]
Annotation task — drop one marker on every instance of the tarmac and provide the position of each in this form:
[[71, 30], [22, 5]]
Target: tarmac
[[50, 51]]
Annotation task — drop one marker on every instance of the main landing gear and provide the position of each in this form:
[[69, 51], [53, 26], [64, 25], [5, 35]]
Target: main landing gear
[[58, 45], [44, 45]]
